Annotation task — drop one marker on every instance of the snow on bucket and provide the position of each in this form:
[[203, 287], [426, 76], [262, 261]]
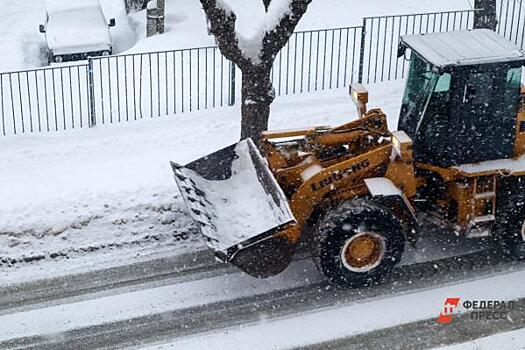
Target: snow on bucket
[[239, 207]]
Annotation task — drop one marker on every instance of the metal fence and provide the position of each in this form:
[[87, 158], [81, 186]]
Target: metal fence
[[49, 99], [511, 21], [379, 61], [154, 84], [122, 88], [317, 60]]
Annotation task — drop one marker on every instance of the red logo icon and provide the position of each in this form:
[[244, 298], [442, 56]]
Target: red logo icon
[[451, 304]]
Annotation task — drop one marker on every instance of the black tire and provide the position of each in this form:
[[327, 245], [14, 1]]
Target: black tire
[[510, 225], [340, 229]]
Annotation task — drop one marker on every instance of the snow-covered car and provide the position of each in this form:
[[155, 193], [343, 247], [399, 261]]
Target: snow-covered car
[[76, 30]]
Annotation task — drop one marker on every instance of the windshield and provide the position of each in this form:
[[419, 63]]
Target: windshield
[[420, 85]]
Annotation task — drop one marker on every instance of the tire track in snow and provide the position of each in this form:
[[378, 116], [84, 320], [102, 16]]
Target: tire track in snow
[[16, 298], [428, 334], [223, 313]]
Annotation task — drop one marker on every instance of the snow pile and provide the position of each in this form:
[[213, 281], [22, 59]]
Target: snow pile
[[506, 165], [251, 37], [92, 223]]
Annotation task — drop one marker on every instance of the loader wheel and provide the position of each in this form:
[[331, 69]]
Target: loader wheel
[[510, 226], [358, 243]]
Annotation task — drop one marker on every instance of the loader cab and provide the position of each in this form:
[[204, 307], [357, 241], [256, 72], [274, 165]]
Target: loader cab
[[462, 96]]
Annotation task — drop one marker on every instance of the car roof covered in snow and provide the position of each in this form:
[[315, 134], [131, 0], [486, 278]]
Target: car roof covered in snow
[[76, 26], [61, 5], [463, 48]]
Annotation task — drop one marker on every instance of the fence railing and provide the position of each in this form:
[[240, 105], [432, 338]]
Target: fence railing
[[381, 35], [317, 60], [154, 84], [511, 21], [115, 89], [49, 99]]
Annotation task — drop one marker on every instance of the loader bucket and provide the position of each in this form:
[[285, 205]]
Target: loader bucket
[[239, 207]]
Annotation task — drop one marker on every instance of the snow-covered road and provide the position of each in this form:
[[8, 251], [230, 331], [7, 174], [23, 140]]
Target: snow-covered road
[[214, 304]]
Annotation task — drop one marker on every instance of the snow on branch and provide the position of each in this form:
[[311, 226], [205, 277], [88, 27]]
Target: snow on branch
[[222, 25], [283, 16], [259, 49]]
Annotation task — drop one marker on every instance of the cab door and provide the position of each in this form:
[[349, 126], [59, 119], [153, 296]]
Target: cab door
[[484, 121]]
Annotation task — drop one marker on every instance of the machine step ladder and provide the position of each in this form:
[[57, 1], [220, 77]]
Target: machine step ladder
[[484, 197]]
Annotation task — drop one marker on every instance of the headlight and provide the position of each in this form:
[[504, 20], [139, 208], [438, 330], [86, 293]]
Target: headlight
[[403, 145]]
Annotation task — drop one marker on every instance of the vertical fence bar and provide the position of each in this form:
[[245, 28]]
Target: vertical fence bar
[[231, 100], [12, 102], [21, 103], [2, 102], [29, 102], [91, 88], [362, 53], [79, 97], [38, 101], [520, 15]]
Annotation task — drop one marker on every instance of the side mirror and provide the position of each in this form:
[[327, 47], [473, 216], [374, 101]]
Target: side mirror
[[112, 22], [401, 50], [42, 28]]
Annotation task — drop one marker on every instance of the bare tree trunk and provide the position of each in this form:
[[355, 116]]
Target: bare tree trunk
[[155, 17], [257, 96], [485, 15]]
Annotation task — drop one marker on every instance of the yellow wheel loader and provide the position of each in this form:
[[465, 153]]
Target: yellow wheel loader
[[358, 193]]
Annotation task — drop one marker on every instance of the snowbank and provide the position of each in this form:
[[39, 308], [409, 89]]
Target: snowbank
[[114, 183]]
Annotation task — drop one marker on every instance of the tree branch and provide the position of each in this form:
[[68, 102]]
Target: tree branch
[[275, 40], [222, 26], [266, 4]]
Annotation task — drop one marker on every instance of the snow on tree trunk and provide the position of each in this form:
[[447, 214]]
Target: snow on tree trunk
[[135, 5], [254, 54], [155, 17]]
